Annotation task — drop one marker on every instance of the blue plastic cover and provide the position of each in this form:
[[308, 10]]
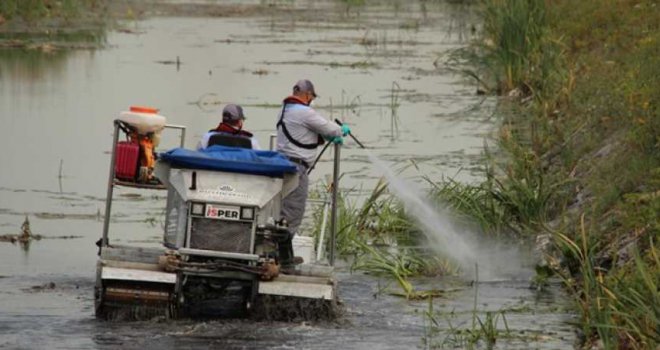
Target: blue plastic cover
[[230, 159]]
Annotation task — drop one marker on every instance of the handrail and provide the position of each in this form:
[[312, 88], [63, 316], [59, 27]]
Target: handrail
[[112, 181], [183, 132]]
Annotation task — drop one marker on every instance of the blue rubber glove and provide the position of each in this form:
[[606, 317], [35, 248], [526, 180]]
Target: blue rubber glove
[[345, 130], [338, 140]]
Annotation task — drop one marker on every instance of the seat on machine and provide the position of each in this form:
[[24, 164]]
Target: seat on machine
[[230, 159], [222, 139]]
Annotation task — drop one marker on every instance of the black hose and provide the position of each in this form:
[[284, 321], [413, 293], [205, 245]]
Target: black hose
[[318, 157], [328, 144]]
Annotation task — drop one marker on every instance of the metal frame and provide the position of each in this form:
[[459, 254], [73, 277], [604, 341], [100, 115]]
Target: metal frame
[[333, 208], [218, 254], [111, 176], [325, 204]]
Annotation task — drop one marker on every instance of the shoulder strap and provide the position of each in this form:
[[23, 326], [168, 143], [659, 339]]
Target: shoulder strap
[[288, 135]]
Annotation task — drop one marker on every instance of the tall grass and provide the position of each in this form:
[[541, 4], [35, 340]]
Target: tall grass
[[515, 50], [380, 239], [622, 309], [512, 199], [585, 152]]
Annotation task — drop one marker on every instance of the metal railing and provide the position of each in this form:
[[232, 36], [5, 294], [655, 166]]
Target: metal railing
[[111, 175]]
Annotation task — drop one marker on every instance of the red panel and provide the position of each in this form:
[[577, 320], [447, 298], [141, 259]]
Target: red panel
[[126, 164]]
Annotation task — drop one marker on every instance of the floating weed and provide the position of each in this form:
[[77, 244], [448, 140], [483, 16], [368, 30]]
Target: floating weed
[[399, 264]]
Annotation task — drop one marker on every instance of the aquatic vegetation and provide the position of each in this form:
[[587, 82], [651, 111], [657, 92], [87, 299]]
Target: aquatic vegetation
[[509, 201], [484, 329], [377, 220], [33, 10], [400, 264], [382, 240]]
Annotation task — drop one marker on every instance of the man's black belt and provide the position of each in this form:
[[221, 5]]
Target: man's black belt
[[299, 161]]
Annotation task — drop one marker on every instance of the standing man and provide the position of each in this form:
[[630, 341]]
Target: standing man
[[232, 125], [300, 130]]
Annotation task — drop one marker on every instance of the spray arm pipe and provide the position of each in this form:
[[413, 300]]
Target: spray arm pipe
[[350, 134]]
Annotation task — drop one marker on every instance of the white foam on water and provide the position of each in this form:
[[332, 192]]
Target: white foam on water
[[493, 260]]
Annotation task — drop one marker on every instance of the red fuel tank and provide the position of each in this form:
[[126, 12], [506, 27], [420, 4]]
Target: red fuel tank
[[126, 161]]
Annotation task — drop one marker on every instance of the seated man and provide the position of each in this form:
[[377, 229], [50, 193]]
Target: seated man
[[230, 131]]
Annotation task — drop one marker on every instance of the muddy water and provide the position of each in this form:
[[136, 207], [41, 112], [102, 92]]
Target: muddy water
[[375, 67]]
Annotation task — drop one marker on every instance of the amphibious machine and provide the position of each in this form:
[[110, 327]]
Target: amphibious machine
[[224, 245]]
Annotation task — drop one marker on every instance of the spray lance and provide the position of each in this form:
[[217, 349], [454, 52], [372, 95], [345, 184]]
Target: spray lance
[[328, 144]]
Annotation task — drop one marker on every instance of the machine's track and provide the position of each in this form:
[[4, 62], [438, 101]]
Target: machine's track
[[130, 301], [295, 309]]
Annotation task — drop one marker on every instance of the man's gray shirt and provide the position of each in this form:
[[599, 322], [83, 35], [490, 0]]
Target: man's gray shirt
[[304, 125]]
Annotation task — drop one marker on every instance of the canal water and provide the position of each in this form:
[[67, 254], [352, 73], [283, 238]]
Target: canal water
[[379, 67]]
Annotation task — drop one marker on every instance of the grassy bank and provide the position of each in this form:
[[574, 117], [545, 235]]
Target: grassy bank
[[45, 26], [582, 119], [35, 11]]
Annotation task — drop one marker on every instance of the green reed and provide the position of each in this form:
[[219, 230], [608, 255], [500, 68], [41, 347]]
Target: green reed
[[515, 50], [511, 199]]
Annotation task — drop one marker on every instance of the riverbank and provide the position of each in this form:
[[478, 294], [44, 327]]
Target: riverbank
[[48, 25], [580, 136]]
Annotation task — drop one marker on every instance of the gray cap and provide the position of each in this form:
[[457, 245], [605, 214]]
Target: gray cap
[[304, 85], [232, 113]]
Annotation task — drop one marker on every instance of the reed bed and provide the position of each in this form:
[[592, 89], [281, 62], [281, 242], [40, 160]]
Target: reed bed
[[514, 51], [510, 202], [378, 220], [380, 239]]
